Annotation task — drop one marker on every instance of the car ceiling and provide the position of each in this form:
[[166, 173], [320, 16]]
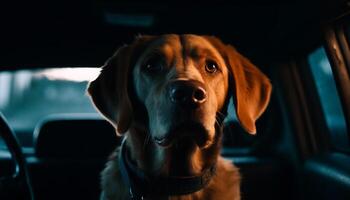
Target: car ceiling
[[86, 32]]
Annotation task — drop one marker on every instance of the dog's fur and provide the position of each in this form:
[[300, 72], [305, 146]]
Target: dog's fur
[[131, 92]]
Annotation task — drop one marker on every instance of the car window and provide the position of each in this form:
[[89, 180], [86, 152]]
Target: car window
[[28, 96], [326, 88]]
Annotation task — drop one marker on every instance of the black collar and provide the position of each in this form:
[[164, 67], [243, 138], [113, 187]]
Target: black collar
[[140, 186]]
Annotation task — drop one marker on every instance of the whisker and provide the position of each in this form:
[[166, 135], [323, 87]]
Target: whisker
[[146, 141], [221, 114], [217, 122]]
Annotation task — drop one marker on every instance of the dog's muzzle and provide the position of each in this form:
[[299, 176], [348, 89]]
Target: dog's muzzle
[[184, 131], [187, 97]]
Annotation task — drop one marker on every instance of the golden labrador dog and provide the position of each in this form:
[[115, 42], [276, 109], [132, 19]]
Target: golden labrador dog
[[168, 95]]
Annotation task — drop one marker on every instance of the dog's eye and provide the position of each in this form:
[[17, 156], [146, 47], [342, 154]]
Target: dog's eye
[[153, 65], [211, 66]]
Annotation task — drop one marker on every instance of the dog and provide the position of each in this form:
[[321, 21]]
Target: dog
[[167, 96]]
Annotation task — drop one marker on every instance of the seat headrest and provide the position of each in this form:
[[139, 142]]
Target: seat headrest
[[81, 137]]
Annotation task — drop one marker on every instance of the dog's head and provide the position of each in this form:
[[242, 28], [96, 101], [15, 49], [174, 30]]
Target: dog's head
[[179, 84]]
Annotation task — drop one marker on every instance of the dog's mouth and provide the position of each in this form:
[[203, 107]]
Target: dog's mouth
[[184, 132]]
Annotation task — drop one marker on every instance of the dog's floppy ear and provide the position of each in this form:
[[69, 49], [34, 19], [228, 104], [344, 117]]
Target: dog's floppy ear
[[252, 89], [109, 92]]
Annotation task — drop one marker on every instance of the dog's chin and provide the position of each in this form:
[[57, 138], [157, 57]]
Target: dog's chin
[[186, 133]]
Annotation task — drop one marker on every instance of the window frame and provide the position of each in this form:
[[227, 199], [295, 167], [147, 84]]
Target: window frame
[[321, 133], [338, 51], [321, 170], [311, 131]]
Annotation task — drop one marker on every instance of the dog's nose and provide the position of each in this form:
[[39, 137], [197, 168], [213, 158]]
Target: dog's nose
[[187, 93]]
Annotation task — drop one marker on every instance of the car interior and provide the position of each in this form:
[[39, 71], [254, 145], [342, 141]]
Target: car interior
[[54, 144]]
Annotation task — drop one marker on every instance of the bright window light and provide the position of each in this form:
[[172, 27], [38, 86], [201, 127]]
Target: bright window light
[[70, 74]]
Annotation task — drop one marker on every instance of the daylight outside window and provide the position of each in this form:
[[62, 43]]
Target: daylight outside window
[[28, 96]]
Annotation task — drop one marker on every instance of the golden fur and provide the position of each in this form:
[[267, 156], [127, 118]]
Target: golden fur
[[136, 102]]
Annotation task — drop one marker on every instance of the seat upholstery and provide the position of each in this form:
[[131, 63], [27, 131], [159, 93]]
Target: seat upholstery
[[67, 137], [70, 153]]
